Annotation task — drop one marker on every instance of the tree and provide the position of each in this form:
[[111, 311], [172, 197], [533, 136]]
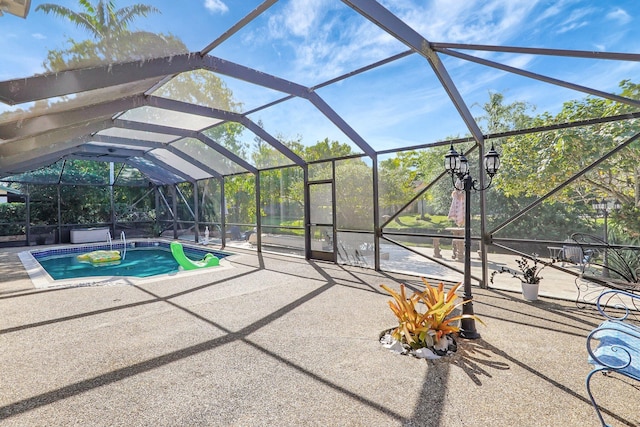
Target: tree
[[321, 150], [239, 191], [500, 117], [102, 20], [80, 204], [111, 38], [354, 195], [402, 176], [397, 183], [325, 149], [540, 162]]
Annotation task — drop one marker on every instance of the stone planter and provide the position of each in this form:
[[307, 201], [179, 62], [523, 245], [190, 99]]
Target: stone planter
[[445, 347]]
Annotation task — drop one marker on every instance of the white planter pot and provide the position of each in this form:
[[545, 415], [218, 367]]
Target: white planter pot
[[530, 291]]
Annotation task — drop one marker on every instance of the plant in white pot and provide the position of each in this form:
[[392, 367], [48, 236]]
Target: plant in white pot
[[528, 274]]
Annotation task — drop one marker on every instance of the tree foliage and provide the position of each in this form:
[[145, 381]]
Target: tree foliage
[[533, 165], [102, 20], [111, 38], [239, 191], [537, 163], [354, 195]]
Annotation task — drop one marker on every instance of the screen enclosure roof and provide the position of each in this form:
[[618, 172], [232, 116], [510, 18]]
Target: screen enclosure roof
[[178, 113]]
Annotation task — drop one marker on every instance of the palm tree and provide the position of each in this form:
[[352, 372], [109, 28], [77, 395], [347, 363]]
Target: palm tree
[[102, 20], [111, 38]]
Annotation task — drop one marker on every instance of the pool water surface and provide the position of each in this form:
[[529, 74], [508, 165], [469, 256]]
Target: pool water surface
[[141, 259], [137, 263]]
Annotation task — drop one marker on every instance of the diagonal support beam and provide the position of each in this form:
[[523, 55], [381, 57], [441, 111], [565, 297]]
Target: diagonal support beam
[[250, 75], [168, 167], [67, 118], [51, 85], [151, 127], [239, 25], [225, 152], [162, 178], [568, 182], [25, 151], [184, 107], [337, 120], [16, 166], [253, 127], [186, 133], [147, 146], [383, 18], [193, 162], [616, 56], [542, 78]]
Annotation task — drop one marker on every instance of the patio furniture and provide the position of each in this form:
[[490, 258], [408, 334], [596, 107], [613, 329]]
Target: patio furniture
[[88, 235], [616, 268], [614, 346], [436, 247], [574, 253], [556, 252], [457, 245]]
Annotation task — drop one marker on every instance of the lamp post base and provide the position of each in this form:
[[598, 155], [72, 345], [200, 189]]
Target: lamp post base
[[469, 335], [468, 326]]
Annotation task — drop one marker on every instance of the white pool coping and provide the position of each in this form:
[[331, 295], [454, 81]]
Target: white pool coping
[[42, 280]]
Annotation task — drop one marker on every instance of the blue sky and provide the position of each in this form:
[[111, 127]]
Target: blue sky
[[398, 105]]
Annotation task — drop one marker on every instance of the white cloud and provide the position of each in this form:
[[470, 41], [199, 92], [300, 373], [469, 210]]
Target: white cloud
[[468, 22], [578, 18], [38, 36], [551, 11], [216, 6], [297, 20], [319, 40], [300, 17], [619, 15], [326, 39], [571, 27]]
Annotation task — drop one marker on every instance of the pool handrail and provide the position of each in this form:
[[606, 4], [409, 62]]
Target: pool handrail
[[124, 244]]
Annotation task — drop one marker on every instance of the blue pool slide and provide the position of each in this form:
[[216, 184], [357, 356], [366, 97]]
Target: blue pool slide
[[177, 250]]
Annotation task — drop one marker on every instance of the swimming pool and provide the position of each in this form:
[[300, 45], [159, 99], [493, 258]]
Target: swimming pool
[[137, 263], [143, 259]]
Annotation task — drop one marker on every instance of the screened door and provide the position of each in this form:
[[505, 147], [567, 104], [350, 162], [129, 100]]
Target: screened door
[[321, 221]]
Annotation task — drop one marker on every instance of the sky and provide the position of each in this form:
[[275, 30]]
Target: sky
[[398, 105]]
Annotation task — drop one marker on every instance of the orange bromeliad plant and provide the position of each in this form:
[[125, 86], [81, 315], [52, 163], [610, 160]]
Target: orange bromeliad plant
[[419, 329]]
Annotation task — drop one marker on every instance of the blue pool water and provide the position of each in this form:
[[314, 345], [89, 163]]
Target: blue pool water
[[138, 262]]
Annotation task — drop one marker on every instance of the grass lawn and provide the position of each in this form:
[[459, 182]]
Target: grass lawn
[[437, 222]]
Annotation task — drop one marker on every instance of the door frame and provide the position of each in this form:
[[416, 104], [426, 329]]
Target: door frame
[[322, 255]]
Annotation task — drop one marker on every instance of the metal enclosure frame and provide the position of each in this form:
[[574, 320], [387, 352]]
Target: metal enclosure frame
[[78, 129]]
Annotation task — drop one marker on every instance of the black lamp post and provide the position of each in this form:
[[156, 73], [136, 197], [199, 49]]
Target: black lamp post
[[603, 206], [458, 167]]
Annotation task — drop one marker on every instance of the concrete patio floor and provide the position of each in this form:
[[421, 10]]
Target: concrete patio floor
[[280, 341]]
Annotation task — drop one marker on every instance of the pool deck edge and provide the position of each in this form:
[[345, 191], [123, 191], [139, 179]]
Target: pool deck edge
[[42, 280]]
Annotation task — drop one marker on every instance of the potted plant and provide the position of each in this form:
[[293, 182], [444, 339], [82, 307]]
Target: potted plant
[[528, 274]]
